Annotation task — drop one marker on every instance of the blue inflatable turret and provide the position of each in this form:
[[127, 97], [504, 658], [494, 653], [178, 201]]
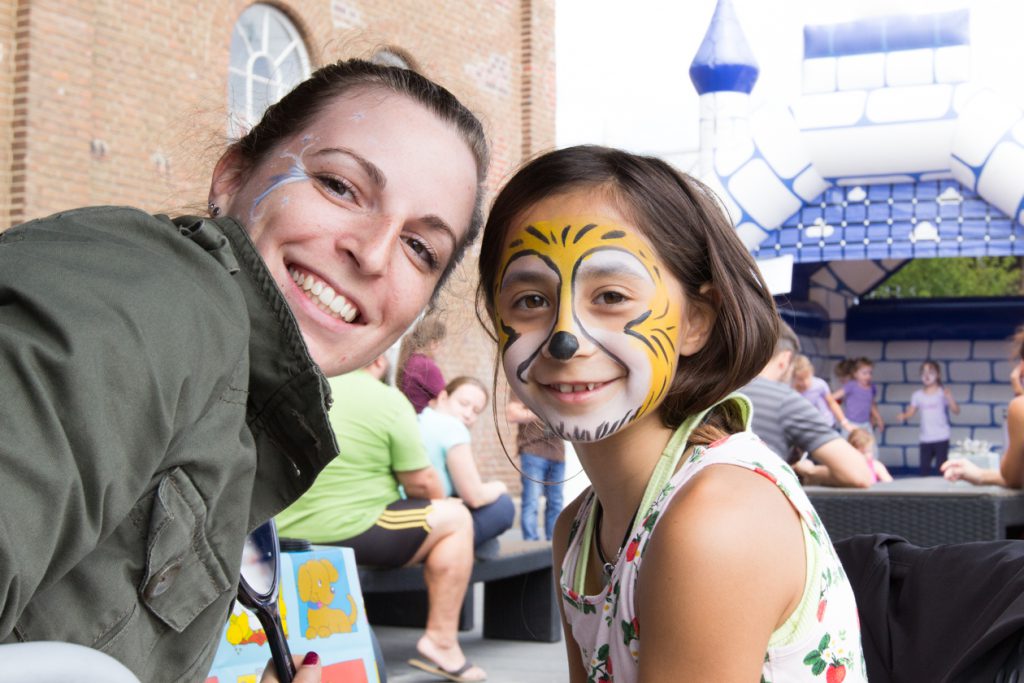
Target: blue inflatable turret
[[724, 61]]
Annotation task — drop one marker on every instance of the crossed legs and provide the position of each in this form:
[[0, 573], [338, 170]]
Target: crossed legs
[[447, 557]]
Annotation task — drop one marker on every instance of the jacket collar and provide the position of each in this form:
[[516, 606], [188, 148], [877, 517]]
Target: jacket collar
[[288, 393]]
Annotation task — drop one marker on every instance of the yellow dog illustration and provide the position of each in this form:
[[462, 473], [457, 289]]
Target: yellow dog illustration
[[316, 579]]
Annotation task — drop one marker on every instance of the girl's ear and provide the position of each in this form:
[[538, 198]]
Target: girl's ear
[[700, 320], [228, 177]]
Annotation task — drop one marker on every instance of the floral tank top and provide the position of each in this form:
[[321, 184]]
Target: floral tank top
[[820, 642]]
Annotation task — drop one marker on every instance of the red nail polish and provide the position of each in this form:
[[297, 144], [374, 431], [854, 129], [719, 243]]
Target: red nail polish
[[311, 659]]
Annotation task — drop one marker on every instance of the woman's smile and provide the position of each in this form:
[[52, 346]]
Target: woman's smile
[[323, 296]]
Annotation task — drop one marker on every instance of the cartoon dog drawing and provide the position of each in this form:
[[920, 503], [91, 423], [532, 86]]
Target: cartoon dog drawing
[[316, 579]]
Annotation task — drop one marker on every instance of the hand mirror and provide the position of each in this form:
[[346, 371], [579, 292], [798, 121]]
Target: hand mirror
[[257, 591]]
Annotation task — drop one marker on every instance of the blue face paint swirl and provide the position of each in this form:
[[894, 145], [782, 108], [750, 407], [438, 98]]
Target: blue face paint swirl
[[296, 172]]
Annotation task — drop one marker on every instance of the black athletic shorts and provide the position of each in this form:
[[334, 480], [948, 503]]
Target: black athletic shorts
[[396, 535]]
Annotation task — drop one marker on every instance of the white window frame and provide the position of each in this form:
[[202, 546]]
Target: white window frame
[[246, 52]]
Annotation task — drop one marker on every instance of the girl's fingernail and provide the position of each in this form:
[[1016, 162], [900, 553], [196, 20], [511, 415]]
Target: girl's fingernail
[[311, 659]]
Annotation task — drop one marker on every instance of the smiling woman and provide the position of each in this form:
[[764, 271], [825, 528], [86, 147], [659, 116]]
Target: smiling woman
[[164, 380], [359, 212]]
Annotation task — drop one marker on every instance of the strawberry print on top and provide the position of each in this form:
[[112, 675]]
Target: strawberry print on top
[[822, 638]]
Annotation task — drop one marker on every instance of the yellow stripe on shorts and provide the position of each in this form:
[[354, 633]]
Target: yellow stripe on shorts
[[396, 520]]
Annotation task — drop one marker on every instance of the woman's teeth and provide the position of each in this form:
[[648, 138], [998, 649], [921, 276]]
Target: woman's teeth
[[324, 296], [573, 388]]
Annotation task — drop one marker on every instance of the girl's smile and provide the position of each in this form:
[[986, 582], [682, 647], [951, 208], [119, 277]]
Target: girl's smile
[[578, 393]]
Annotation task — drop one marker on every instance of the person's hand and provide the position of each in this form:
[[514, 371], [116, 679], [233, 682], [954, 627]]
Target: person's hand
[[307, 669], [803, 469], [954, 470], [846, 425]]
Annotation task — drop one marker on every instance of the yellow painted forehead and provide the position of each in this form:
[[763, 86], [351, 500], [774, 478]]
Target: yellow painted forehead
[[571, 239]]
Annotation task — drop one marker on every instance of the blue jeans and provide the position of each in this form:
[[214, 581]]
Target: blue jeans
[[535, 471], [491, 520]]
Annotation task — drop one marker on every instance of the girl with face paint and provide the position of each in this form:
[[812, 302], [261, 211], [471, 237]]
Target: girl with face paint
[[935, 402], [626, 311]]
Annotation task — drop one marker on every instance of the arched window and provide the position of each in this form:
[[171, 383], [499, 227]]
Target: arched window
[[268, 58]]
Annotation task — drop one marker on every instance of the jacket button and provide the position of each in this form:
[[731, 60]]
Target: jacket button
[[162, 580]]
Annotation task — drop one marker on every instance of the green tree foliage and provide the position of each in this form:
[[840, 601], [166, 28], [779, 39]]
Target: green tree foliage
[[953, 277]]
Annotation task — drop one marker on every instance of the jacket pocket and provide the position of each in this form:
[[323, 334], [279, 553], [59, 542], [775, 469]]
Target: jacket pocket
[[183, 576]]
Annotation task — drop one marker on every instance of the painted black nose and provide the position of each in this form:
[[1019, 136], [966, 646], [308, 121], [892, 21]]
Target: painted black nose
[[563, 345]]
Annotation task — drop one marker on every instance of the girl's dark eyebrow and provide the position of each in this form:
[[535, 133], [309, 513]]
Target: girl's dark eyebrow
[[613, 269], [529, 277], [377, 176]]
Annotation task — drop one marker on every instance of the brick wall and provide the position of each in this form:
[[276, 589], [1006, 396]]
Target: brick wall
[[8, 55], [126, 103]]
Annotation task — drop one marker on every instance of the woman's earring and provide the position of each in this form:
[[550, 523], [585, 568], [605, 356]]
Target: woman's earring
[[214, 209]]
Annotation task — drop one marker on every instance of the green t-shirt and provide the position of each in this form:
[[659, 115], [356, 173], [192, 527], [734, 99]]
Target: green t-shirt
[[377, 430]]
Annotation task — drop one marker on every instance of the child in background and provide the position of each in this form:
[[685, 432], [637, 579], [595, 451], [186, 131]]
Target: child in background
[[858, 395], [627, 311], [817, 391], [862, 440], [935, 403], [444, 425], [844, 370]]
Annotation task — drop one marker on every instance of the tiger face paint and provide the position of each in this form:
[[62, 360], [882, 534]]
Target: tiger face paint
[[588, 322]]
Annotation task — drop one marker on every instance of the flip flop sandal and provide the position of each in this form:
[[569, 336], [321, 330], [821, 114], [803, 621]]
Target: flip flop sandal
[[436, 669]]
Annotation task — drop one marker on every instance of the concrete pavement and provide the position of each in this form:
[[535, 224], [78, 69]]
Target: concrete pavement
[[505, 661]]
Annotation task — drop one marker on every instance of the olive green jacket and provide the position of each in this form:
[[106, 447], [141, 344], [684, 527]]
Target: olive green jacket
[[156, 403]]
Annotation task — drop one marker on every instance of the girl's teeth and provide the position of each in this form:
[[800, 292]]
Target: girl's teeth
[[326, 296], [317, 288], [307, 283], [574, 388]]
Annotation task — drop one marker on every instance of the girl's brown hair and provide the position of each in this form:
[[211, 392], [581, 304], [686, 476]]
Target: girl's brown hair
[[694, 238], [1018, 344], [846, 367], [463, 380], [934, 366]]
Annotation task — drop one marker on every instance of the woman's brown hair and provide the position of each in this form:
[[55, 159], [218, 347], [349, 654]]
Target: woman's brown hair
[[693, 237]]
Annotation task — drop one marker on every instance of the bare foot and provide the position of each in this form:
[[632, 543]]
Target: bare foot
[[450, 658]]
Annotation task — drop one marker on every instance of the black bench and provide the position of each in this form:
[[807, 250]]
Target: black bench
[[519, 594]]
